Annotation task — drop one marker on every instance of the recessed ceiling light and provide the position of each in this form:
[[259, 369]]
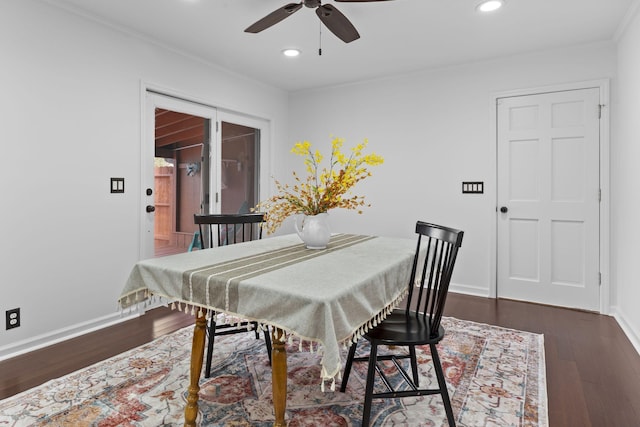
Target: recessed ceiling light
[[291, 52], [490, 5]]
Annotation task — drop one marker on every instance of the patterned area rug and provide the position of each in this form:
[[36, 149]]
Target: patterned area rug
[[496, 377]]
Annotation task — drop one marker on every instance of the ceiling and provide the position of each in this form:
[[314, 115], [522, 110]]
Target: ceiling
[[397, 36]]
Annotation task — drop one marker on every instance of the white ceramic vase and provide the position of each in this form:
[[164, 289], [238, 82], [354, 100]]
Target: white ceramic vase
[[314, 230]]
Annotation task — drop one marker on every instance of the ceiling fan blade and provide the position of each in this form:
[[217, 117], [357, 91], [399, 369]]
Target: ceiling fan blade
[[337, 23], [273, 18]]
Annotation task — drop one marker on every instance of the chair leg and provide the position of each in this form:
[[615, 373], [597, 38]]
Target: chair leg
[[254, 325], [414, 365], [443, 385], [368, 393], [347, 367], [211, 332], [267, 341]]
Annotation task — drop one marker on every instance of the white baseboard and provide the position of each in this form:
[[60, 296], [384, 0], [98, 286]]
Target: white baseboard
[[54, 337], [469, 290], [630, 332]]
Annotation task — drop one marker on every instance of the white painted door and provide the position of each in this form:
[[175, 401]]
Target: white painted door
[[184, 148], [548, 198]]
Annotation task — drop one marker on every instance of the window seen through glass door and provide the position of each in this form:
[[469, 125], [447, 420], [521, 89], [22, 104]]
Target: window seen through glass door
[[239, 168]]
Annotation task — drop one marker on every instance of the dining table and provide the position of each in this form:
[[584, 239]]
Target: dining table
[[326, 298]]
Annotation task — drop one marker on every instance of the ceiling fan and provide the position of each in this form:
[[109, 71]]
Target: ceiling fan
[[330, 16]]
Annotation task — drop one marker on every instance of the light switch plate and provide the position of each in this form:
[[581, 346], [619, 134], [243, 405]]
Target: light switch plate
[[117, 185], [472, 187]]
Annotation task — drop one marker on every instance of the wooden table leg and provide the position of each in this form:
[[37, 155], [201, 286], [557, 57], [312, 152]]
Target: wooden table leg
[[279, 376], [197, 352]]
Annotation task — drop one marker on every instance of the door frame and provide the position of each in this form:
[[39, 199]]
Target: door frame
[[604, 245]]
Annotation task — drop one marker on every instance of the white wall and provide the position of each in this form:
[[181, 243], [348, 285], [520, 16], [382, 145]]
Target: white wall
[[434, 130], [70, 108], [625, 176]]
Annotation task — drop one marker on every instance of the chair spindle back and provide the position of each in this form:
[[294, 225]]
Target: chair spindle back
[[229, 228], [436, 253]]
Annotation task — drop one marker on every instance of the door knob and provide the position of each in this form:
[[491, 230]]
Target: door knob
[[504, 209], [150, 208]]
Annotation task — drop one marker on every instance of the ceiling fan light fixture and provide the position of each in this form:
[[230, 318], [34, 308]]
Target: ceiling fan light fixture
[[330, 16], [291, 53], [489, 5]]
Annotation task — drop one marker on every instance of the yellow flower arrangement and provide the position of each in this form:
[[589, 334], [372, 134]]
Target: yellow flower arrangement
[[322, 189]]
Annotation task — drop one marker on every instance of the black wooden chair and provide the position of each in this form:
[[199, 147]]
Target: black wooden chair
[[417, 324], [227, 229]]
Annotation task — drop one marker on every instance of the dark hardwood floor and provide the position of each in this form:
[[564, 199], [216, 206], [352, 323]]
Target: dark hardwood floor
[[593, 371]]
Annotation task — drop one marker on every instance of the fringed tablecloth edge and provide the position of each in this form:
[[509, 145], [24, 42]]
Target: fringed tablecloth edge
[[145, 296]]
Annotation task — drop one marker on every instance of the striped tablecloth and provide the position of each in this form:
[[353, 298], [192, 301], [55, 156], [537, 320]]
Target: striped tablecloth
[[325, 297]]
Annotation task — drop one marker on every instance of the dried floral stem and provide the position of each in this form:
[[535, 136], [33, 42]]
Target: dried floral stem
[[322, 189]]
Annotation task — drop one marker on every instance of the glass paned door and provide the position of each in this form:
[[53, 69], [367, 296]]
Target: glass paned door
[[177, 185], [196, 159]]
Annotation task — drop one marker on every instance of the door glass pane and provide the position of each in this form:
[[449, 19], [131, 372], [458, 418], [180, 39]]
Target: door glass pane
[[240, 168], [180, 141]]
